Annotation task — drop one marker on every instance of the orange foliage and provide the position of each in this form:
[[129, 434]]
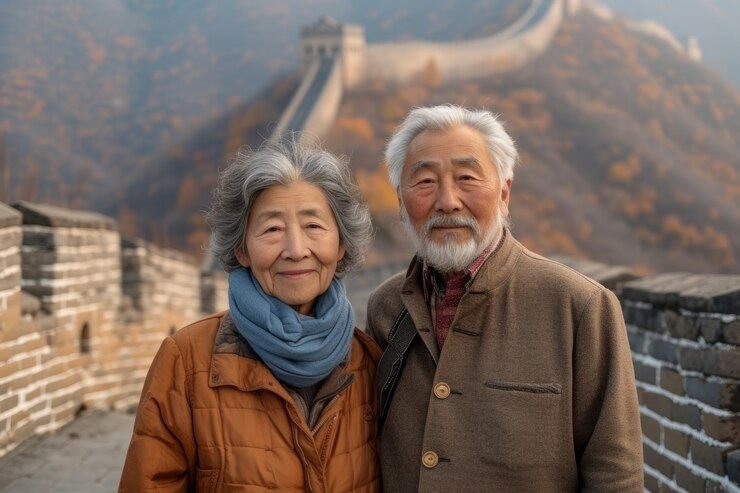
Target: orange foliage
[[625, 171], [359, 127], [379, 193]]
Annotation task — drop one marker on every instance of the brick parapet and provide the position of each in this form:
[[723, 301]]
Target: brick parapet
[[70, 338], [683, 330]]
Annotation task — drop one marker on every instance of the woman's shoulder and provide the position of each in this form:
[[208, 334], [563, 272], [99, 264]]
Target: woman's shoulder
[[195, 340]]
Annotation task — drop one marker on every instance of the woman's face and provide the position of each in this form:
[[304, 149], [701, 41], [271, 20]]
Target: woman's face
[[292, 244]]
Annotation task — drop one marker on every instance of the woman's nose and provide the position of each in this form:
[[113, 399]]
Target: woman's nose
[[296, 246]]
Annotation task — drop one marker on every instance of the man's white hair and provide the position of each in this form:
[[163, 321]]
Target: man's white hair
[[500, 145]]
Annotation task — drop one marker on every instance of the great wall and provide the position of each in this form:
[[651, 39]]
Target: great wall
[[83, 309], [336, 58]]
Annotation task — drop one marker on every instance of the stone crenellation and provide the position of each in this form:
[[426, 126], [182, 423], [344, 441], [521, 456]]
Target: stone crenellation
[[684, 330], [83, 310]]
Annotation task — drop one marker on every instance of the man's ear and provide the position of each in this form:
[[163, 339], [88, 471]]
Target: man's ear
[[505, 196], [400, 202], [506, 191], [242, 256]]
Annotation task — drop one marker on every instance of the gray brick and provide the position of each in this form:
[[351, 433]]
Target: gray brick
[[645, 373], [687, 479], [650, 428], [676, 441], [721, 395], [692, 359], [710, 329], [657, 461], [709, 457], [723, 362], [731, 332], [672, 381], [724, 429], [686, 414], [733, 466], [636, 337], [664, 351], [684, 327]]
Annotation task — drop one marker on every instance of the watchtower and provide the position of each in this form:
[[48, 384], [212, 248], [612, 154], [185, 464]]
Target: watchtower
[[327, 38]]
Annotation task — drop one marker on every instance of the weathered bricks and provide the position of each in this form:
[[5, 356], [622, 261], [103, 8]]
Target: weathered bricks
[[684, 333]]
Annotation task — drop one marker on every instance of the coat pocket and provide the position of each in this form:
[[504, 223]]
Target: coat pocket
[[205, 480], [533, 388]]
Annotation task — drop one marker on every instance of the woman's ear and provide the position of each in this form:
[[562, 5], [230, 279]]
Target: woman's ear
[[242, 256], [342, 251]]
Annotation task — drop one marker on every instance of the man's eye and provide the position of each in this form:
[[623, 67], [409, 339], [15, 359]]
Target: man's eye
[[467, 177]]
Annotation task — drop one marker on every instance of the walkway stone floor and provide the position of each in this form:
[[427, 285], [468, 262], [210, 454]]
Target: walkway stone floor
[[84, 456]]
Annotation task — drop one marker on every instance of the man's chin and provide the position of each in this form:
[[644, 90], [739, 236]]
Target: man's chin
[[449, 238]]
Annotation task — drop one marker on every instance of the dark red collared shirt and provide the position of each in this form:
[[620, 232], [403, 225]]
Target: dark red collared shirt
[[443, 297]]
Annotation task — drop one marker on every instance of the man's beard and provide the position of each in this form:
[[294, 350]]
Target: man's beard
[[449, 255]]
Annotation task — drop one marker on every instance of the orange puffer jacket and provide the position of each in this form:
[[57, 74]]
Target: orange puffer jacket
[[212, 417]]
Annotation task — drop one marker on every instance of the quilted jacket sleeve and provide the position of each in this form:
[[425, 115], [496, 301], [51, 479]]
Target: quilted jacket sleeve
[[607, 431], [161, 455]]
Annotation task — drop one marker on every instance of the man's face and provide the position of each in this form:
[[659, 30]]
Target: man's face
[[452, 199]]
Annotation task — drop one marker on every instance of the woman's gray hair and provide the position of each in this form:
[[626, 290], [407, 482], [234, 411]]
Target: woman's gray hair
[[281, 163], [500, 145]]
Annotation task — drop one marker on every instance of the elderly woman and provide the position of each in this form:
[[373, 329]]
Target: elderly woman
[[277, 393]]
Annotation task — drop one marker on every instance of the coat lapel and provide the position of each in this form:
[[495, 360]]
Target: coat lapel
[[412, 295]]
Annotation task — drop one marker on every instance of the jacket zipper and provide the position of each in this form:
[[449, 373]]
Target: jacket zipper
[[306, 475], [325, 446], [326, 418]]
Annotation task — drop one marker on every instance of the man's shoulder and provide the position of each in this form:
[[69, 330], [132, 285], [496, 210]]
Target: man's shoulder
[[384, 306], [552, 276], [390, 288]]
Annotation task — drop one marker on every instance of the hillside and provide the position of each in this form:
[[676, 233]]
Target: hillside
[[93, 92], [629, 151]]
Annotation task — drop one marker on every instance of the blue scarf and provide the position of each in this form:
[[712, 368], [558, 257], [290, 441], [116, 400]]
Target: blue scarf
[[299, 349]]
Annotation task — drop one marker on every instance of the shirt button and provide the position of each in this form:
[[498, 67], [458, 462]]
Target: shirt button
[[442, 390], [430, 460]]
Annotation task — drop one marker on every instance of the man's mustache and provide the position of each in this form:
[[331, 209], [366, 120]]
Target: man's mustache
[[444, 221]]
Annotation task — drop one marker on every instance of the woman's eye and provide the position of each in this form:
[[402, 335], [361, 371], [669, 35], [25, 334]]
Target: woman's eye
[[314, 226], [272, 229]]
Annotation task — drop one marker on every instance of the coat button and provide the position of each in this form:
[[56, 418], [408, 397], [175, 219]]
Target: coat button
[[430, 460], [442, 390]]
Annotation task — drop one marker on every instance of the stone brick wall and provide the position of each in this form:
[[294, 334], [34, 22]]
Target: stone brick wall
[[684, 330], [10, 268], [80, 334]]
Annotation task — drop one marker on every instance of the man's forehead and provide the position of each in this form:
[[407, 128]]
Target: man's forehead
[[458, 144], [461, 138]]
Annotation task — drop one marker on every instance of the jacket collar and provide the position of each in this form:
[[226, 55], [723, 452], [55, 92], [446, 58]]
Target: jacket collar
[[496, 270], [235, 363]]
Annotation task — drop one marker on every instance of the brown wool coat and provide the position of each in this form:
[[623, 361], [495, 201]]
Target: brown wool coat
[[541, 386], [212, 417]]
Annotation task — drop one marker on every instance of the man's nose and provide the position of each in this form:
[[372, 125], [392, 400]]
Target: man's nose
[[448, 198], [296, 246]]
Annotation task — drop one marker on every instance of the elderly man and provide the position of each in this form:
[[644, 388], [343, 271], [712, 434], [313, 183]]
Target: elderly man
[[502, 370]]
